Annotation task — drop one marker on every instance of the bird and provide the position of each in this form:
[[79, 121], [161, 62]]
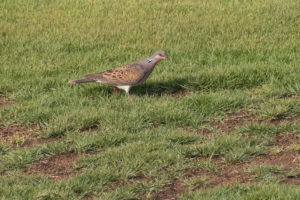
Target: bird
[[126, 76]]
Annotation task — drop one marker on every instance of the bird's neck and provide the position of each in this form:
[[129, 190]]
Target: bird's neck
[[152, 60]]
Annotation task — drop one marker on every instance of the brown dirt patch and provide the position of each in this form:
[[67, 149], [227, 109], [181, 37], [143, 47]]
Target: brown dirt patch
[[119, 183], [3, 102], [90, 129], [240, 118], [55, 167], [179, 93], [171, 191], [289, 159], [232, 173], [231, 121], [202, 131], [58, 166], [278, 121], [296, 97], [139, 178], [290, 96], [22, 136], [287, 140]]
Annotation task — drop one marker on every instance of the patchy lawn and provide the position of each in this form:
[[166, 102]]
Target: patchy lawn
[[219, 120]]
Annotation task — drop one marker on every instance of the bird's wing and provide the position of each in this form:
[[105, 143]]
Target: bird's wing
[[126, 75]]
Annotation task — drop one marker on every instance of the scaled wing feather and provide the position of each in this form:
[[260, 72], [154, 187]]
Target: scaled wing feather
[[128, 74]]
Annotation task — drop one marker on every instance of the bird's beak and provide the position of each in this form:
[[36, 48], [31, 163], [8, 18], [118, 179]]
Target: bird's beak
[[166, 58]]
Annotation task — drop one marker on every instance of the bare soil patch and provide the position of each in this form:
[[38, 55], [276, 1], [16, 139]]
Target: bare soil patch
[[296, 97], [227, 174], [180, 93], [3, 102], [231, 121], [202, 131], [90, 129], [232, 173], [138, 178], [287, 140], [119, 183], [289, 159], [22, 136], [55, 167], [291, 96], [171, 191], [58, 166], [240, 118], [278, 121]]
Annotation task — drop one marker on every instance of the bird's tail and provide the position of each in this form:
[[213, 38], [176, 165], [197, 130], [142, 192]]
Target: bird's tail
[[83, 80]]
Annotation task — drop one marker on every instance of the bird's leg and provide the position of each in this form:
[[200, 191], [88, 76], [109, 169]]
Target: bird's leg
[[116, 90], [128, 94]]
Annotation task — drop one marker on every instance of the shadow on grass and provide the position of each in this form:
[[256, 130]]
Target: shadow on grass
[[160, 88], [146, 89]]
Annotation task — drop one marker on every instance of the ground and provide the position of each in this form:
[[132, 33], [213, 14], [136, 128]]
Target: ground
[[219, 120]]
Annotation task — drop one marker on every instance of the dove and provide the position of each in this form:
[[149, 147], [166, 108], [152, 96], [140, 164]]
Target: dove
[[126, 76]]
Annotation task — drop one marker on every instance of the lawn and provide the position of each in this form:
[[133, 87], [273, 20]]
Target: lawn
[[219, 120]]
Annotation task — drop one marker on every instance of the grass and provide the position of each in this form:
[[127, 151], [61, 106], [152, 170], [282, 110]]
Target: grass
[[229, 56], [267, 173], [194, 183], [272, 191]]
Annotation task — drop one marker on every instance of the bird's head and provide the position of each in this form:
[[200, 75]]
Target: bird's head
[[160, 55]]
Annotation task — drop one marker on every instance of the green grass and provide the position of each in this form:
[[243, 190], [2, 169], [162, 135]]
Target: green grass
[[271, 191], [194, 183], [269, 174], [228, 55]]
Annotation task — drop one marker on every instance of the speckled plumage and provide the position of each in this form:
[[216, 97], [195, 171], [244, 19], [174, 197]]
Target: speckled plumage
[[126, 76]]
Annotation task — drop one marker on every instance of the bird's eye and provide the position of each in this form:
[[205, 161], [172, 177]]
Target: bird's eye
[[160, 55]]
